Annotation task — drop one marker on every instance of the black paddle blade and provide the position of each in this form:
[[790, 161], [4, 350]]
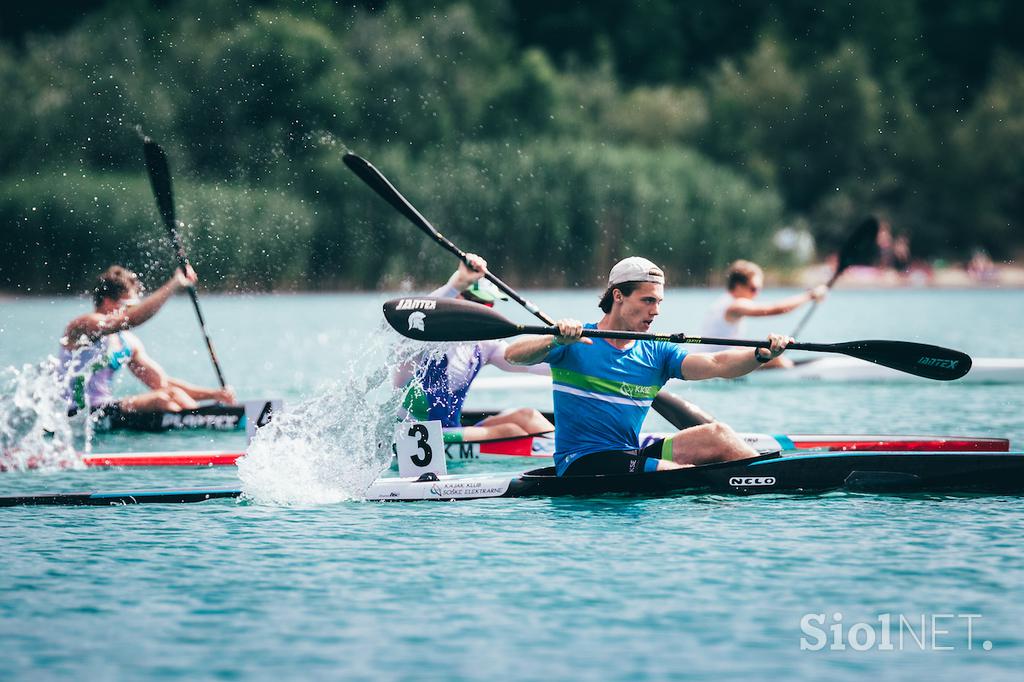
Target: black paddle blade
[[446, 319], [369, 174], [861, 247], [920, 359], [160, 179]]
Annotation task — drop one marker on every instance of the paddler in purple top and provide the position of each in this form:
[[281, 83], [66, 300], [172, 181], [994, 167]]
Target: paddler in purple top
[[603, 388], [97, 344], [438, 387]]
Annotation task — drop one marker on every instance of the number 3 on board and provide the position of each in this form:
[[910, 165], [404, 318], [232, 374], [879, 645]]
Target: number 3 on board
[[420, 448]]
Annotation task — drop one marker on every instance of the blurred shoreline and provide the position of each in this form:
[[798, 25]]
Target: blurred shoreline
[[1000, 276]]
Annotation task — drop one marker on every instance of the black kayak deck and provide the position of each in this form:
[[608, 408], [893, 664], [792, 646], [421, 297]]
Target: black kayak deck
[[204, 418], [106, 499], [969, 472]]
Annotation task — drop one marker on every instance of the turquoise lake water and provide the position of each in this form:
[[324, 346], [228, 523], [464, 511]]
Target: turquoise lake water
[[613, 589]]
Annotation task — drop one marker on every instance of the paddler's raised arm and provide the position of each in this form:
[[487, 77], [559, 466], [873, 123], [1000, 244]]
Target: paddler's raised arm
[[460, 280], [115, 316], [534, 349], [745, 307], [148, 307], [463, 278]]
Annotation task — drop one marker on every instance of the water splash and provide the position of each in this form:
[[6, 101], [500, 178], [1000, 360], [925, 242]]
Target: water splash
[[332, 447], [324, 139], [35, 432]]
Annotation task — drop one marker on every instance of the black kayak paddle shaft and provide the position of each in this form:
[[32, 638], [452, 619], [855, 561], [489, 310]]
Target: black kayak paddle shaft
[[383, 187], [440, 319], [160, 179]]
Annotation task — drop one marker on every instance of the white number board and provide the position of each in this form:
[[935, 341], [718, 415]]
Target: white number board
[[420, 449]]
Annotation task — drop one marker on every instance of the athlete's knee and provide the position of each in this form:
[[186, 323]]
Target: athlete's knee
[[526, 418], [520, 414], [712, 431], [733, 444], [720, 430], [534, 418], [507, 430]]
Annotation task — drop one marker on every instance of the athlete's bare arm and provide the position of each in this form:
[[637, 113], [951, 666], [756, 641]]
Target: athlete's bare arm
[[534, 349], [745, 307], [96, 324], [153, 375], [147, 369], [729, 364]]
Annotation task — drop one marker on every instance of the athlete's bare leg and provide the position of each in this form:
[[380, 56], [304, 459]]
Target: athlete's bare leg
[[476, 433], [182, 398], [526, 418], [171, 399], [708, 443]]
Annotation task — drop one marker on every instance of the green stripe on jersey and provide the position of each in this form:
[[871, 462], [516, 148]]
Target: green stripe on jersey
[[605, 386]]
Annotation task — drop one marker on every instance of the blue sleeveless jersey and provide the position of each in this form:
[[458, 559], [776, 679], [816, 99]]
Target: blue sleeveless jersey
[[602, 394]]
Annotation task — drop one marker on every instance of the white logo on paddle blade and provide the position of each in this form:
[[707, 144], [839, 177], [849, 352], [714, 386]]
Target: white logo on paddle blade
[[416, 304], [416, 321]]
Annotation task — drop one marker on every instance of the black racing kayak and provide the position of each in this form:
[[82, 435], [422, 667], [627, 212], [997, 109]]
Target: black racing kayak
[[212, 417], [108, 499], [817, 472]]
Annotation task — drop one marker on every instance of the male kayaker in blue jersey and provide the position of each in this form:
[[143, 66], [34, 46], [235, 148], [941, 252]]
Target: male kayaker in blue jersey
[[438, 386], [97, 344], [725, 317], [603, 387]]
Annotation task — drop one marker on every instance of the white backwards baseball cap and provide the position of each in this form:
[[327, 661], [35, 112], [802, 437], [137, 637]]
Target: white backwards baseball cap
[[635, 269]]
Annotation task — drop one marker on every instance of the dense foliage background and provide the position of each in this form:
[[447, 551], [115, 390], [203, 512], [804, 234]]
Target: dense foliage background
[[551, 137]]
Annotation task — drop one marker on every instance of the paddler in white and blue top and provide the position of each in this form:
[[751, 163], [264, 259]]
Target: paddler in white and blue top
[[603, 387], [437, 387], [98, 344], [725, 317]]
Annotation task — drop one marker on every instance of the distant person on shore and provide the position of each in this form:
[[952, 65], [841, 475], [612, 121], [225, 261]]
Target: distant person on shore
[[981, 268], [893, 250], [96, 345], [901, 259], [437, 388], [884, 243], [725, 317]]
